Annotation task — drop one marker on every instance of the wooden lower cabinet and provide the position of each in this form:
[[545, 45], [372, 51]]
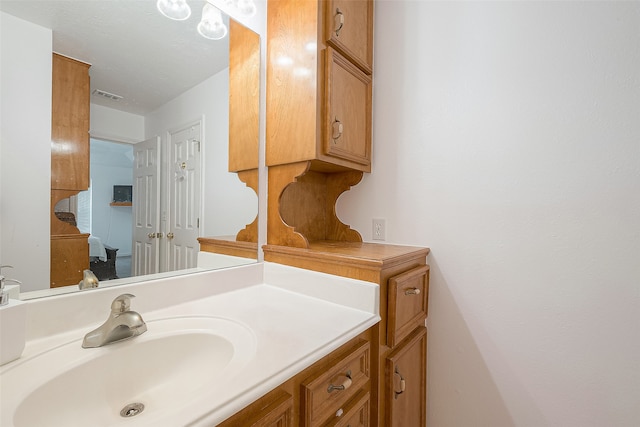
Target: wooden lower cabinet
[[405, 382], [399, 338], [334, 391], [275, 409], [378, 379]]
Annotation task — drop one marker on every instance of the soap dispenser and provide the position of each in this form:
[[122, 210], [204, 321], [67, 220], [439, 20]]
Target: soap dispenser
[[13, 322]]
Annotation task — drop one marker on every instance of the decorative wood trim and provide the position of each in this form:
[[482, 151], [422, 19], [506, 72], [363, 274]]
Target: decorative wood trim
[[60, 227], [120, 204], [278, 232], [250, 232], [228, 246]]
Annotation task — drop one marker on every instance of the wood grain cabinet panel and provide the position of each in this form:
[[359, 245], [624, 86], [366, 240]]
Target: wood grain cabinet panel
[[69, 258], [349, 28], [327, 392], [69, 165], [357, 413], [347, 115], [275, 409], [69, 124], [406, 377], [407, 304], [311, 81]]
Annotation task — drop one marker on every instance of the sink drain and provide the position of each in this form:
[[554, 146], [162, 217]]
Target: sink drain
[[131, 410]]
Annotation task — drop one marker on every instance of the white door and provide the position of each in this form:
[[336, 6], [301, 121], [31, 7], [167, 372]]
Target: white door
[[184, 199], [146, 207]]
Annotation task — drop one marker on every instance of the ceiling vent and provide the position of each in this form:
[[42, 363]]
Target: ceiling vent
[[104, 94]]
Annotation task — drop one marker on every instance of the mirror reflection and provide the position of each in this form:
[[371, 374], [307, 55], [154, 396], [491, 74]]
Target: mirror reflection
[[162, 167]]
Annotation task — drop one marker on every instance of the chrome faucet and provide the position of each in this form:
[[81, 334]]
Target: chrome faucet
[[89, 280], [122, 324]]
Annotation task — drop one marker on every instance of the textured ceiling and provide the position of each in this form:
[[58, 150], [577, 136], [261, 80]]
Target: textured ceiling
[[134, 51]]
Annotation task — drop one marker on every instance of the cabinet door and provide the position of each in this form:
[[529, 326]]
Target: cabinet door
[[69, 258], [349, 28], [347, 115], [69, 124], [406, 382]]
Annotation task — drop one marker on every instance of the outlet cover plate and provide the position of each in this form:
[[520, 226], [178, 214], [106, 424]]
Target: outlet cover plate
[[379, 229]]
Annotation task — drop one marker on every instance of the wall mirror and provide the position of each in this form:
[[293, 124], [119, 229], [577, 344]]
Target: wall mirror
[[175, 87]]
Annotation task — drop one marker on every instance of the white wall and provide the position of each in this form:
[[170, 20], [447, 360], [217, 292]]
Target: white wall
[[507, 139], [228, 204], [25, 150], [115, 125]]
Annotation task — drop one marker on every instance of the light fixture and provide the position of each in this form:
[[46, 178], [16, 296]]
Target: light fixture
[[211, 25], [178, 10], [246, 7]]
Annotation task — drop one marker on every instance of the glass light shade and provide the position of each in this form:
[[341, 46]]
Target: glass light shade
[[211, 26], [178, 10], [247, 7]]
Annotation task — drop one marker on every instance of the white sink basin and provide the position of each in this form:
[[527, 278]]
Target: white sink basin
[[167, 367]]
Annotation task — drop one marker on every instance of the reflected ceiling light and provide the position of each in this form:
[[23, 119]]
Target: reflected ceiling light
[[211, 25], [178, 10], [246, 7]]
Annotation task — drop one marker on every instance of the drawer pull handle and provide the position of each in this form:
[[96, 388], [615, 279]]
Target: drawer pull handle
[[346, 383], [399, 384], [338, 22], [412, 291]]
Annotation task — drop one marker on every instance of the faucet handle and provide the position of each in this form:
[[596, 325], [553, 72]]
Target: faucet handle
[[121, 304]]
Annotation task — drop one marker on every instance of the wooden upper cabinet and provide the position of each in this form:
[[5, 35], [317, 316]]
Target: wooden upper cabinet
[[319, 88], [349, 28], [69, 124], [244, 97], [347, 115]]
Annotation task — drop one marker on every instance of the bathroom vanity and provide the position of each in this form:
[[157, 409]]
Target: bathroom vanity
[[271, 328]]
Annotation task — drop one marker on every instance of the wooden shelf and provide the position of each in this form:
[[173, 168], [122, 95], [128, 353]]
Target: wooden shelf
[[120, 204]]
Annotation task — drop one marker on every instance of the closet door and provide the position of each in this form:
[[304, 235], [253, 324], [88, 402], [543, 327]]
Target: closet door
[[146, 207]]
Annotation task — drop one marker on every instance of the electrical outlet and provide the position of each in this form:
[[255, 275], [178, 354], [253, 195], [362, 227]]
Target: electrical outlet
[[379, 229]]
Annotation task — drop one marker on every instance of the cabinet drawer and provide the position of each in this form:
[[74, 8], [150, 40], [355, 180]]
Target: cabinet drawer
[[347, 114], [354, 414], [275, 409], [407, 303], [328, 391], [349, 28]]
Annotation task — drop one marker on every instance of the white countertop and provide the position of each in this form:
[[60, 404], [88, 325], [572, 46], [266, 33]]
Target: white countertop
[[297, 316]]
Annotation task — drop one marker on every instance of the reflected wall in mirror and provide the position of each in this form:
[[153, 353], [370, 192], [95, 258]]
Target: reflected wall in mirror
[[178, 97]]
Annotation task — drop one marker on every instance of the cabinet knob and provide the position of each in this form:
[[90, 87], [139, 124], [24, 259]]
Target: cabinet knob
[[346, 383], [412, 291], [337, 129], [170, 236], [151, 235], [338, 22], [399, 384]]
